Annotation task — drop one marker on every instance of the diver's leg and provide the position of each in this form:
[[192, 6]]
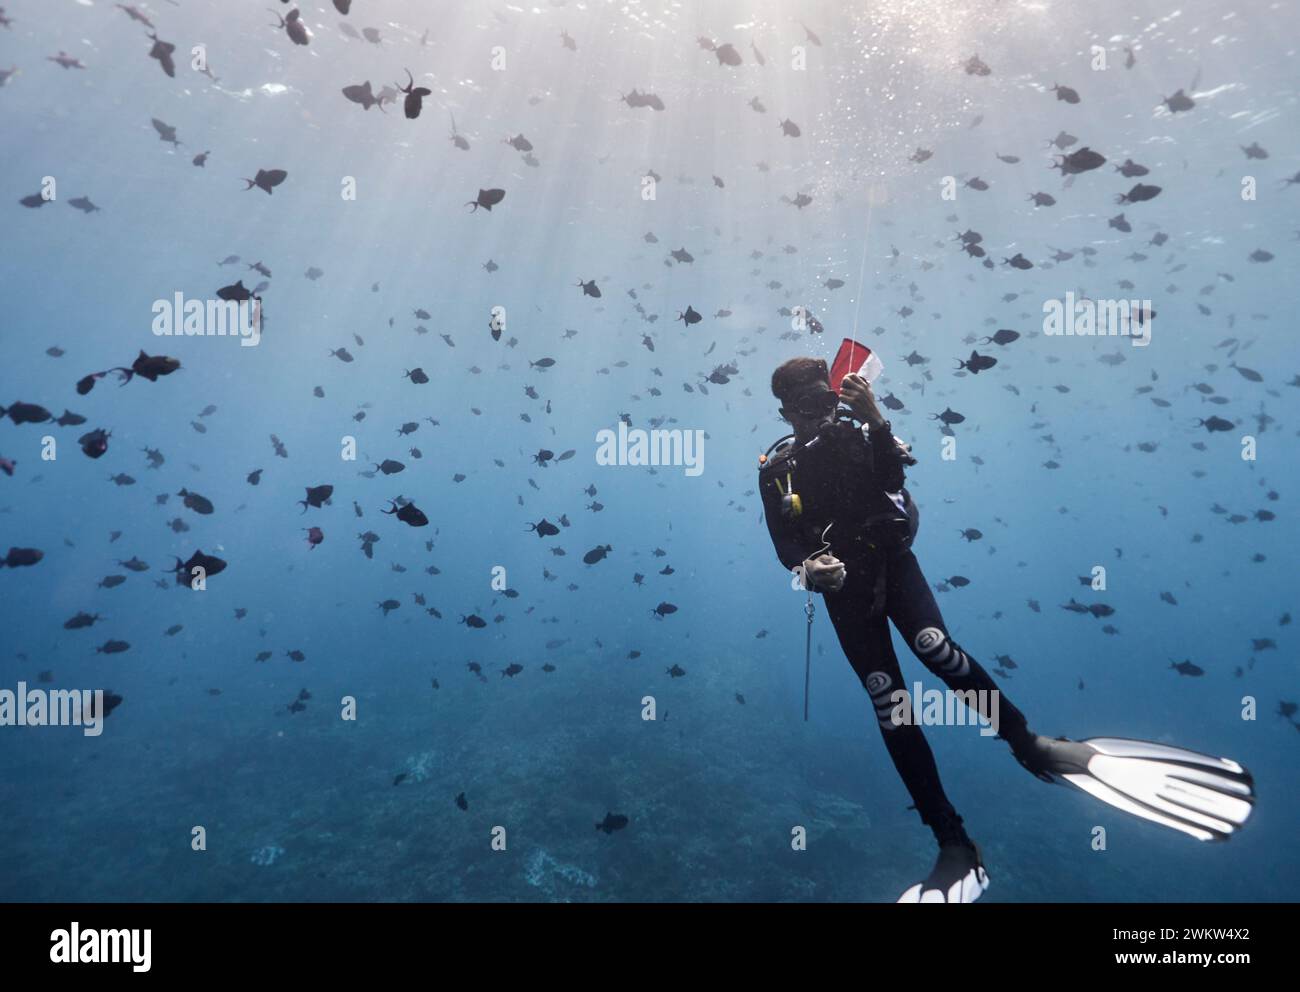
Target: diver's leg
[[958, 874], [867, 645], [911, 606]]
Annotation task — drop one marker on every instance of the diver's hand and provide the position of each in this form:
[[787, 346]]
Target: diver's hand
[[855, 391], [825, 572]]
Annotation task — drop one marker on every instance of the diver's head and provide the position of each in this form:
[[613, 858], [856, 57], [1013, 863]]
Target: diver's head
[[807, 401]]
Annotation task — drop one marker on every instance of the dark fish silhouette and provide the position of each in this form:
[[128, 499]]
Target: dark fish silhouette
[[1213, 424], [162, 51], [1138, 194], [1187, 667], [1066, 94], [663, 610], [1180, 101], [165, 131], [487, 199], [1131, 170], [210, 564], [294, 27], [409, 514], [414, 97], [362, 94], [977, 363], [612, 822], [193, 501], [26, 413], [267, 179], [317, 496], [94, 444], [19, 557], [589, 288], [1003, 336], [1084, 160], [638, 99]]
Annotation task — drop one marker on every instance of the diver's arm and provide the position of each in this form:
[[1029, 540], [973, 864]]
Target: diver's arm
[[889, 457], [888, 454], [784, 540]]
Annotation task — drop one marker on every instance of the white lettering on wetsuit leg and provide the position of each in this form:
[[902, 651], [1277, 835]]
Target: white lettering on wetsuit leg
[[940, 655], [877, 685]]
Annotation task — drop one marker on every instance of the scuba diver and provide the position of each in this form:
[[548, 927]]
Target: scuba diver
[[840, 516]]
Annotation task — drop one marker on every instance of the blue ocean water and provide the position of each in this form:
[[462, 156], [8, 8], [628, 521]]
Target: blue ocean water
[[1075, 452]]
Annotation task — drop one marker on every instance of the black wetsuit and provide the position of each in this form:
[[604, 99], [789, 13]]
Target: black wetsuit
[[845, 479]]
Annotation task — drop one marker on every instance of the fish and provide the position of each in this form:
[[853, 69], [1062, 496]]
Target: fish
[[267, 180], [415, 95], [22, 557], [597, 554], [1002, 337], [94, 444], [209, 565], [1065, 94], [1078, 162], [162, 51], [612, 822], [1187, 668], [977, 363], [294, 27], [1138, 194], [362, 94], [26, 413], [317, 496], [487, 199]]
